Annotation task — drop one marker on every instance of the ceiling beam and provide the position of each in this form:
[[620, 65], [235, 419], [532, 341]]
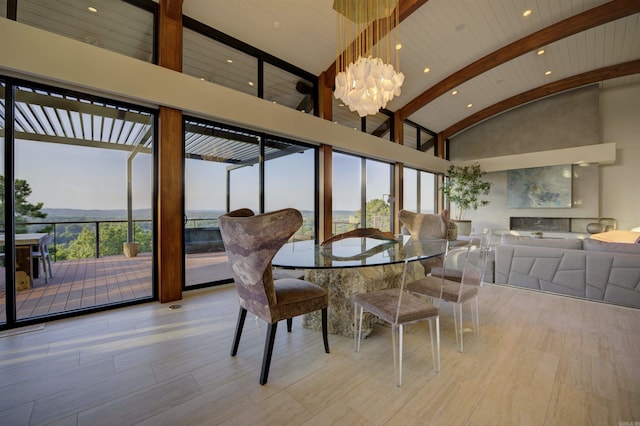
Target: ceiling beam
[[173, 8], [406, 7], [584, 79], [600, 15]]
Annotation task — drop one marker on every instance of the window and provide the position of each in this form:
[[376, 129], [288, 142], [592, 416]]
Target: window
[[218, 63], [222, 173], [290, 181], [378, 190], [284, 88], [84, 176], [419, 191], [112, 24], [347, 193]]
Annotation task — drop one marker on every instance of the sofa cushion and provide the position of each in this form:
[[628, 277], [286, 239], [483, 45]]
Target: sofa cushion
[[618, 236], [562, 243], [597, 245]]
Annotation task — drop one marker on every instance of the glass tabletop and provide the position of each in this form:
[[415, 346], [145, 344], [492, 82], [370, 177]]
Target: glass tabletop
[[349, 253]]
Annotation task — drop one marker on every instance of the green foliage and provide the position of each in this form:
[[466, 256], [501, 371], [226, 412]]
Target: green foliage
[[23, 209], [112, 235], [466, 189], [378, 214]]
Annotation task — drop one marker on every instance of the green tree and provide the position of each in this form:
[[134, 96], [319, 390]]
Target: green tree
[[25, 211], [378, 214], [112, 235]]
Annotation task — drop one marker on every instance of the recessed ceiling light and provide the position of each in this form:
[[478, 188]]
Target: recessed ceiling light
[[398, 46], [426, 70], [469, 105], [230, 61], [548, 72], [540, 52], [92, 9], [455, 92], [276, 25], [251, 83], [526, 13]]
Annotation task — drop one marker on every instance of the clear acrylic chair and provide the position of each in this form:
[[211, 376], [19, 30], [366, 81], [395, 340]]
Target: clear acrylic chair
[[447, 288], [399, 307]]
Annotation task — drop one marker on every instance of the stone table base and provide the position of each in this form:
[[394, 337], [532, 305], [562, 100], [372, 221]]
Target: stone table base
[[343, 283]]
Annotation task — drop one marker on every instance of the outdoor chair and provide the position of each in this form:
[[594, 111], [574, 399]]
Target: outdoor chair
[[43, 254], [251, 241]]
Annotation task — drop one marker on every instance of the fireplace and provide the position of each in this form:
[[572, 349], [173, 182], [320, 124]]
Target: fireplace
[[547, 224]]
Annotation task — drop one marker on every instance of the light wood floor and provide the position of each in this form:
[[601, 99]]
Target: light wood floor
[[540, 360]]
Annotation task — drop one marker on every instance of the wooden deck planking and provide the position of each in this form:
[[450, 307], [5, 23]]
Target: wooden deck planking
[[85, 283]]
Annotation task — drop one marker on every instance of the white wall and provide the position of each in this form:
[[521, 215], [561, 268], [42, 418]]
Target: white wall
[[619, 187], [620, 182], [50, 58]]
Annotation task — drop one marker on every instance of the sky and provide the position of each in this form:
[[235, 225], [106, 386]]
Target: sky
[[76, 177]]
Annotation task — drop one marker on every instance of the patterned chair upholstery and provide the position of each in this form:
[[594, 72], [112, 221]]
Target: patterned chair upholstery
[[421, 225], [251, 241]]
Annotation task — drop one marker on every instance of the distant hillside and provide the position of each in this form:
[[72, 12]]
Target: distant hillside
[[61, 215], [70, 215]]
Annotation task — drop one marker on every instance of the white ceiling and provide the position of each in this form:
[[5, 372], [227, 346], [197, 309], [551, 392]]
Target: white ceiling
[[444, 35]]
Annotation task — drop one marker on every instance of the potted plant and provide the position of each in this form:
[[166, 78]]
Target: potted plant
[[466, 190]]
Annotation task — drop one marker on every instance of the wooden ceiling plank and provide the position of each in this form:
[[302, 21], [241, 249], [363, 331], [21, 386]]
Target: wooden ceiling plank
[[590, 77], [599, 15]]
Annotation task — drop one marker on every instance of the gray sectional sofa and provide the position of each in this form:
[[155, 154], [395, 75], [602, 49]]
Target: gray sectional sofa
[[589, 268]]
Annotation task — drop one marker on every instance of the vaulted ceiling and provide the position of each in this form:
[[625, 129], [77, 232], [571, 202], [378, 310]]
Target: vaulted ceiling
[[485, 50]]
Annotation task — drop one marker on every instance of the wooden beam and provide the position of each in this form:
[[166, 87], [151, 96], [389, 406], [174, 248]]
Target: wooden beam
[[170, 207], [170, 35], [600, 15], [173, 9], [326, 192], [590, 77]]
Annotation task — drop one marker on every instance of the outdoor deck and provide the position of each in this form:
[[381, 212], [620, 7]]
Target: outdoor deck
[[84, 283]]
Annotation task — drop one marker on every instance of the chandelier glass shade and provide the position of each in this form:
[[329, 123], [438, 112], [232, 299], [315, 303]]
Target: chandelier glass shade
[[367, 68]]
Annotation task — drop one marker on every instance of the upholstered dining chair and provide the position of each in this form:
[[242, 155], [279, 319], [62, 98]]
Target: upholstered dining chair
[[399, 308], [424, 225], [457, 292], [251, 241]]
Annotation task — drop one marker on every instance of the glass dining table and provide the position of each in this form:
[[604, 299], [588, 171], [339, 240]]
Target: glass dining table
[[350, 266]]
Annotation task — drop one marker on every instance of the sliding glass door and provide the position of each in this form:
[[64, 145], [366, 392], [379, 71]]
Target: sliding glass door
[[82, 202], [227, 168]]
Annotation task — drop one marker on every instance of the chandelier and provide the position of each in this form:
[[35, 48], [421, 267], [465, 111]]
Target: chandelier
[[367, 68]]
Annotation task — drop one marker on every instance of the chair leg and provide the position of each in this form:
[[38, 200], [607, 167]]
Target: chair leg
[[435, 348], [49, 263], [476, 316], [400, 332], [458, 326], [325, 336], [357, 322], [44, 269], [289, 324], [236, 339], [268, 349]]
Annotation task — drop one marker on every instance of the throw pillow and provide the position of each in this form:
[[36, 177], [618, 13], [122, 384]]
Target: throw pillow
[[618, 236]]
